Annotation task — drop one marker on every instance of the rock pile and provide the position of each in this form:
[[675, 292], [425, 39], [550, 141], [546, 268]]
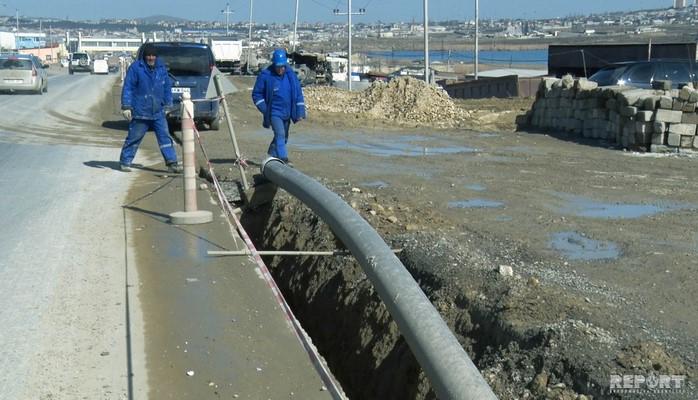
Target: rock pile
[[403, 99], [656, 120]]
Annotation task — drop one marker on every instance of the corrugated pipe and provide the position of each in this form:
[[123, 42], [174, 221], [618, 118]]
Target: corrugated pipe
[[451, 372]]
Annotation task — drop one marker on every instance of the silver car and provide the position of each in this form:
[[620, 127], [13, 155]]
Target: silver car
[[22, 73]]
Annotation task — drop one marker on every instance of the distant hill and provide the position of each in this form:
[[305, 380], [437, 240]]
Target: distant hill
[[157, 18]]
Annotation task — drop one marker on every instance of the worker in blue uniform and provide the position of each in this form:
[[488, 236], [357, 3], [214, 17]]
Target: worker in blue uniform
[[278, 95], [147, 92]]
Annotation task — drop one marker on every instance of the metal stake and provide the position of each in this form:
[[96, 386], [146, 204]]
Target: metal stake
[[229, 121]]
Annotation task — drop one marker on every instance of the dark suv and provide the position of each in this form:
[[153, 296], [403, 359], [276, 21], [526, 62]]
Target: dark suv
[[190, 66], [641, 74]]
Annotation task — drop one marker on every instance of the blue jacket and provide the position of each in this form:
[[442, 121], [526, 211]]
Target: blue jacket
[[263, 93], [146, 92]]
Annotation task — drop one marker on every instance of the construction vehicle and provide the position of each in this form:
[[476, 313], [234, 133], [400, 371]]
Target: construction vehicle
[[227, 53], [311, 68]]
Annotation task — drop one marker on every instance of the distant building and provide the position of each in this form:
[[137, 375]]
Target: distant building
[[22, 40], [680, 3]]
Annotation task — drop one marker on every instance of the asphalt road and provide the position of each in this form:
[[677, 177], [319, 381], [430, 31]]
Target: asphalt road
[[62, 281]]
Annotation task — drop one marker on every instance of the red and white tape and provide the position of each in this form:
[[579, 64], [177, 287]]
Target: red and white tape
[[293, 322]]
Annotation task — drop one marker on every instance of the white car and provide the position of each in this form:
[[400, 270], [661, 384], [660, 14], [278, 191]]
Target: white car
[[100, 67]]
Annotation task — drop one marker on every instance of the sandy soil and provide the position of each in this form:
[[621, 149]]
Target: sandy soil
[[601, 243]]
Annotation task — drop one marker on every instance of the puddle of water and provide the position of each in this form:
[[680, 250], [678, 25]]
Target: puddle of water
[[574, 246], [487, 135], [589, 208], [476, 187], [375, 184], [475, 203], [407, 145]]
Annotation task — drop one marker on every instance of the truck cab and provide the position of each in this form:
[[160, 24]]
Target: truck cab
[[190, 66]]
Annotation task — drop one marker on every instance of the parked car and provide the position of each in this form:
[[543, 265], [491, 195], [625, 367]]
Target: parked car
[[22, 72], [100, 67], [641, 74], [80, 62], [190, 66]]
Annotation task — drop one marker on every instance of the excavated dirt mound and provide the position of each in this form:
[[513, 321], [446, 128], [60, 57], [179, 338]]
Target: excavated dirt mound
[[403, 99]]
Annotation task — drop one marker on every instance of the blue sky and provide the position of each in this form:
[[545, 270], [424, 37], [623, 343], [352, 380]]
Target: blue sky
[[318, 10]]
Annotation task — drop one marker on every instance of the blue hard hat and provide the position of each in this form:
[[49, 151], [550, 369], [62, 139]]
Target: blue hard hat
[[278, 58]]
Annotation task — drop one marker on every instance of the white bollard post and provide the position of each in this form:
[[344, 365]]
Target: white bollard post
[[191, 215]]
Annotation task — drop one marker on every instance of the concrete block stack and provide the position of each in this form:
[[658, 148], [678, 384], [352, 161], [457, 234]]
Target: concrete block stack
[[638, 119]]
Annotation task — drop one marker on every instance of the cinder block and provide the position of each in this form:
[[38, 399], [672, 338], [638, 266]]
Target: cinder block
[[683, 129], [694, 97], [666, 102], [678, 105], [584, 84], [660, 127], [685, 93], [687, 141], [689, 118], [567, 81], [612, 104], [630, 97], [547, 83], [658, 148], [670, 116], [628, 111], [650, 103], [673, 140], [695, 142], [644, 127], [644, 116], [643, 138], [661, 85], [658, 138], [689, 107]]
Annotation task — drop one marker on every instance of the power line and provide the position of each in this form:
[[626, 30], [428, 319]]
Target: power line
[[349, 13]]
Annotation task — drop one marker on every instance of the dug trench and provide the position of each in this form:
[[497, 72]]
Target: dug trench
[[527, 339]]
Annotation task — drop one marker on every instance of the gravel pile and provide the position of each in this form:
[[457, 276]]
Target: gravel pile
[[403, 99]]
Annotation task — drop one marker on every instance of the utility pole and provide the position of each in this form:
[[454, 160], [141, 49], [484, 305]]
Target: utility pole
[[249, 40], [477, 37], [349, 13], [295, 28], [426, 41], [17, 19], [227, 13]]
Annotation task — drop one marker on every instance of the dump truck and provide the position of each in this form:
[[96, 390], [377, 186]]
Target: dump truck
[[227, 54]]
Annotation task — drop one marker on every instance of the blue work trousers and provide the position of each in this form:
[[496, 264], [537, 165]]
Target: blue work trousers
[[137, 129], [277, 148]]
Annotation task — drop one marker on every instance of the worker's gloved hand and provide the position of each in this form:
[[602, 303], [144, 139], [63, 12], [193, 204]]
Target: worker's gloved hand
[[168, 108], [126, 114]]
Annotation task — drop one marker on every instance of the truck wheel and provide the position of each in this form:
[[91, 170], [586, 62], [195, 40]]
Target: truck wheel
[[215, 124]]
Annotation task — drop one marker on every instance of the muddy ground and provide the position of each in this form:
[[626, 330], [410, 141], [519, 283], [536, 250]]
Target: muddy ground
[[602, 244]]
